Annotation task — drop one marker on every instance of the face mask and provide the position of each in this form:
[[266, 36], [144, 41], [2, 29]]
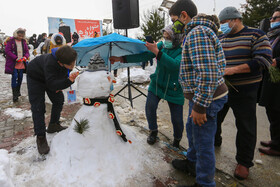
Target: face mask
[[168, 44], [225, 28], [178, 27], [274, 24]]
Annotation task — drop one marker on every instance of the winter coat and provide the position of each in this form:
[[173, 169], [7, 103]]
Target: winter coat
[[164, 81], [53, 43], [33, 41], [11, 54], [46, 69], [270, 91]]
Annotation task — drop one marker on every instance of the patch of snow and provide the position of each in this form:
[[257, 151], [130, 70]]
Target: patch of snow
[[5, 171], [18, 113]]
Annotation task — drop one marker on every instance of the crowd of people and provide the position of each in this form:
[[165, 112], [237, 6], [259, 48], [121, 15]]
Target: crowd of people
[[213, 71]]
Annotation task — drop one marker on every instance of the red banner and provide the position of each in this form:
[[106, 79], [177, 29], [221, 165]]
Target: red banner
[[88, 28]]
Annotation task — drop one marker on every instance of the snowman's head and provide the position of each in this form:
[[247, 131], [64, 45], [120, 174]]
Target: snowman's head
[[95, 84]]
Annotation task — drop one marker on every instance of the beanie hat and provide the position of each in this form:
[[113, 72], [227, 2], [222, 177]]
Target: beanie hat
[[169, 30], [229, 13]]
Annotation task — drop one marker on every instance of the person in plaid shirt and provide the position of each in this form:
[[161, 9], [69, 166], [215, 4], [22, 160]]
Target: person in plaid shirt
[[201, 77]]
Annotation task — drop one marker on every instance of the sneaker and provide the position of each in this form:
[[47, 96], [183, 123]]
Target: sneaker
[[152, 138], [55, 127], [42, 145], [184, 166], [176, 143]]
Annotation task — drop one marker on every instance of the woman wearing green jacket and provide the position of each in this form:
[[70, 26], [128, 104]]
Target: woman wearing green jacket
[[164, 83]]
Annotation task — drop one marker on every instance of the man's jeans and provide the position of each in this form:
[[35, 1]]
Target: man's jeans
[[201, 143], [176, 115]]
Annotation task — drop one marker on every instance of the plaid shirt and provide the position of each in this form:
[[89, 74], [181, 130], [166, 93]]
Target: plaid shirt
[[203, 61]]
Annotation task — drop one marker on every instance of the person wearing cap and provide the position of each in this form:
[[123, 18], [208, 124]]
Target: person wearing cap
[[201, 77], [248, 53], [164, 83], [271, 90]]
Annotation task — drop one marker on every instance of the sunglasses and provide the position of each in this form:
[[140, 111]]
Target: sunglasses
[[274, 18]]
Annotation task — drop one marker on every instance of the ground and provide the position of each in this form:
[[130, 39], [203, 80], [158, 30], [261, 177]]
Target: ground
[[266, 171]]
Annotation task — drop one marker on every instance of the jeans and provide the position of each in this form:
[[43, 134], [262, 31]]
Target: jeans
[[17, 78], [36, 94], [201, 143], [243, 104], [176, 115]]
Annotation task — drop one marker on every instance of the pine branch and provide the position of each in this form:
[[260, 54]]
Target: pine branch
[[81, 126], [274, 74]]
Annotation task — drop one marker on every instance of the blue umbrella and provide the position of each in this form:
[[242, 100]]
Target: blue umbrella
[[110, 45]]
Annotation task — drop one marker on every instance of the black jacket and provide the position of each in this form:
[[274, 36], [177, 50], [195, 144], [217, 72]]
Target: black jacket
[[269, 95], [46, 69]]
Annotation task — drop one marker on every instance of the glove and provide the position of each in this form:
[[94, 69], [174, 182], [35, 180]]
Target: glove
[[24, 59]]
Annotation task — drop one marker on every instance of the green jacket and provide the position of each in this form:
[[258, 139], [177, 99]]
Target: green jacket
[[164, 82]]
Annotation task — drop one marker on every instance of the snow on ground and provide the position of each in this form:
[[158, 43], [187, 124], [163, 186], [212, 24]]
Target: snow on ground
[[5, 170], [98, 157], [17, 113], [137, 75]]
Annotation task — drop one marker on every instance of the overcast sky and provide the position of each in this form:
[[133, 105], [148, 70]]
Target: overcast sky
[[32, 14]]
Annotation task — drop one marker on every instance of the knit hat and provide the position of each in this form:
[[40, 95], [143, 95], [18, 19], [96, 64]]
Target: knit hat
[[229, 13], [169, 30], [97, 63]]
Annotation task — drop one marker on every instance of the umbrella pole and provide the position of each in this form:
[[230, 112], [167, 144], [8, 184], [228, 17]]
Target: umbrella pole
[[129, 85]]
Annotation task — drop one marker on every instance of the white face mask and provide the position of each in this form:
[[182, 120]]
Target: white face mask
[[167, 44]]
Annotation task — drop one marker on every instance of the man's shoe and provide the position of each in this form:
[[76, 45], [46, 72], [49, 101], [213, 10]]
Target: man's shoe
[[241, 172], [152, 138], [266, 143], [269, 151], [184, 166], [55, 127], [42, 145], [176, 143]]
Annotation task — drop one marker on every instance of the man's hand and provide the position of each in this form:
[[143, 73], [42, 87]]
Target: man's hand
[[198, 119], [152, 47], [274, 63], [230, 71], [114, 59], [73, 76]]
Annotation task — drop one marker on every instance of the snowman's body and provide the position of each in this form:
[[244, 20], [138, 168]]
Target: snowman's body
[[98, 156]]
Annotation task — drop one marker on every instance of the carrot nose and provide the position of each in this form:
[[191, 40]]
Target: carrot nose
[[109, 79]]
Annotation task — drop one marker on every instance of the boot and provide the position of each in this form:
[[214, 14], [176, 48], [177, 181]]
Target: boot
[[42, 145], [15, 95], [152, 138], [55, 127], [176, 143], [18, 91]]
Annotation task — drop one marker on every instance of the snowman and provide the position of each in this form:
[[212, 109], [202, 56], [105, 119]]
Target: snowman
[[95, 150]]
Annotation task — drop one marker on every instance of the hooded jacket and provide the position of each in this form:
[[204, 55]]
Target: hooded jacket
[[45, 69], [203, 63], [53, 44], [11, 52]]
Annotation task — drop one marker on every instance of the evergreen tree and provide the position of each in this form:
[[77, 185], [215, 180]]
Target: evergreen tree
[[152, 25], [256, 10]]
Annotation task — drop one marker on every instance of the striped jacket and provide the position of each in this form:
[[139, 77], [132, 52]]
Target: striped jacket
[[203, 62], [249, 46]]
